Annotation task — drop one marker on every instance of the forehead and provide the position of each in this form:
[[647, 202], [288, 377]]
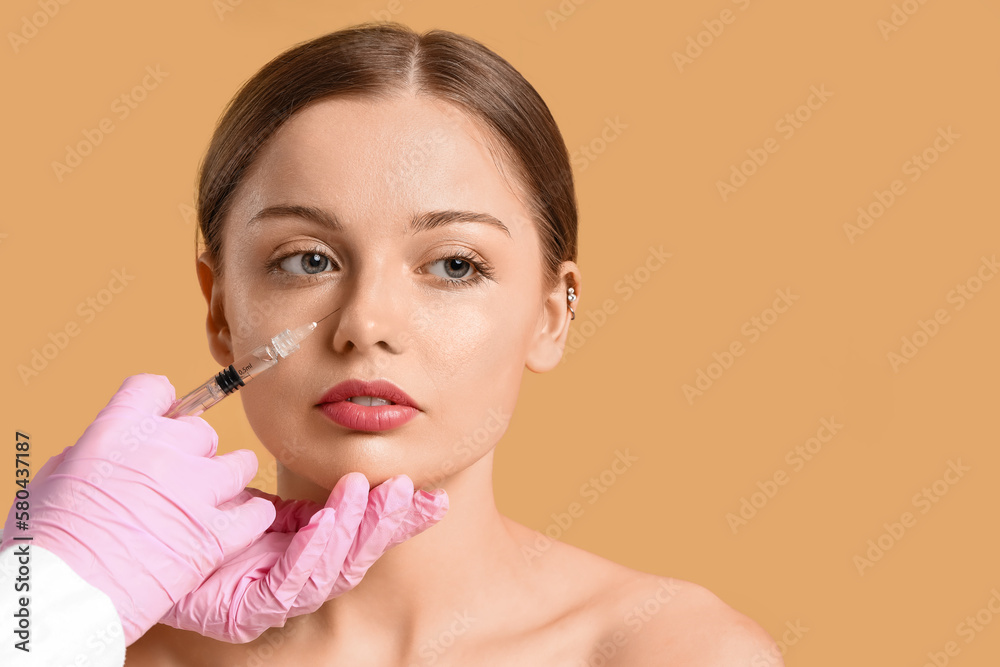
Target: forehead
[[379, 161]]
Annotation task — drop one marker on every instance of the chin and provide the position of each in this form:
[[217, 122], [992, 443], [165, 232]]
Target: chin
[[322, 469]]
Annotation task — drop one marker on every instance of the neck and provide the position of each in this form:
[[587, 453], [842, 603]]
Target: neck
[[443, 578]]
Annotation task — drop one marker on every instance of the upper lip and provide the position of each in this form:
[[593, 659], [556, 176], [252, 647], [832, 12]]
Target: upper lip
[[378, 388]]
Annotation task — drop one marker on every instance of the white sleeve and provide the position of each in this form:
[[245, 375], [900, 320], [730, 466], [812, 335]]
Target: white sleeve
[[49, 610]]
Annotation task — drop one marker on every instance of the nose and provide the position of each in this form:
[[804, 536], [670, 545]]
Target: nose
[[372, 307]]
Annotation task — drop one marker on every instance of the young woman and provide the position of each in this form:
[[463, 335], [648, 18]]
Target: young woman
[[417, 187]]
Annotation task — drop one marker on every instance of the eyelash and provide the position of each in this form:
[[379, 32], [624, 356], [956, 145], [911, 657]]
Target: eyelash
[[484, 270]]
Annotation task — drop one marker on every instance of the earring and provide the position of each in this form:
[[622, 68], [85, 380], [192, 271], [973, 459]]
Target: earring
[[571, 298]]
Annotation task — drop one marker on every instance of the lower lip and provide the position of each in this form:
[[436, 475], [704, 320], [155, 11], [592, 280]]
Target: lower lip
[[368, 417]]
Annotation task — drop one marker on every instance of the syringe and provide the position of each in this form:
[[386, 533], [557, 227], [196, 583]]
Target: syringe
[[241, 371]]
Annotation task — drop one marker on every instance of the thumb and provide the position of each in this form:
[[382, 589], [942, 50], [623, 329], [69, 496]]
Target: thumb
[[291, 514], [427, 510]]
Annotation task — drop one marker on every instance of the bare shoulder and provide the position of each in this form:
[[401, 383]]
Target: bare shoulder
[[661, 620], [638, 619]]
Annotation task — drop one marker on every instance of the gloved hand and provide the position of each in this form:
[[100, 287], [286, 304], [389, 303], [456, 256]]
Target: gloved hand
[[140, 507], [310, 554]]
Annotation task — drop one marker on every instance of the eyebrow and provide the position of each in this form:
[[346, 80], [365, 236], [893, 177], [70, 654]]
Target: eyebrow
[[419, 223]]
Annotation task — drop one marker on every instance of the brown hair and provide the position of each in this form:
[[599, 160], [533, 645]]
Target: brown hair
[[379, 59]]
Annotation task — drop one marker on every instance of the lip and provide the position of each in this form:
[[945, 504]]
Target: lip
[[334, 405], [378, 388]]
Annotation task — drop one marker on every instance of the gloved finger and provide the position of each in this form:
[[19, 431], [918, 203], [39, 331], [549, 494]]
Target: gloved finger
[[388, 504], [317, 551], [149, 394], [222, 477], [202, 440], [290, 515], [427, 509], [236, 500], [349, 506], [130, 431], [434, 504], [271, 594], [243, 520], [218, 608], [123, 431]]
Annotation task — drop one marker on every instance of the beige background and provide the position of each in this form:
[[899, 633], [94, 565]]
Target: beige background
[[660, 138]]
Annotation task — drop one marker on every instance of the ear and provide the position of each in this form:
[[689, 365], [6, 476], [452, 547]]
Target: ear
[[219, 339], [546, 349]]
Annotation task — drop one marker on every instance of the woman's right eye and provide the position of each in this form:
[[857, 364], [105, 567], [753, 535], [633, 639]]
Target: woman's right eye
[[307, 263]]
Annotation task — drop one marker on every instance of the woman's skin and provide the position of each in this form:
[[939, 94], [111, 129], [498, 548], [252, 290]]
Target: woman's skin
[[468, 590]]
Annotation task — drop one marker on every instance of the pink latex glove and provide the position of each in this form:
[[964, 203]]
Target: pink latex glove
[[140, 507], [310, 554]]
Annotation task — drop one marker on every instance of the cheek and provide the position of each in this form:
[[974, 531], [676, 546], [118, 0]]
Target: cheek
[[252, 318], [464, 343], [280, 390], [275, 403], [475, 362]]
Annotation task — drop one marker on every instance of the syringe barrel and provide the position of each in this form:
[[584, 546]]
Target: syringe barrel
[[240, 372], [225, 382], [199, 400], [252, 364]]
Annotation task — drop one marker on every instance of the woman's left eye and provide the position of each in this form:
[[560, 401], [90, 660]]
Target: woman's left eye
[[457, 269]]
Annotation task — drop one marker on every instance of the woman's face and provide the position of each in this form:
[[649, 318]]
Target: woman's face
[[414, 308]]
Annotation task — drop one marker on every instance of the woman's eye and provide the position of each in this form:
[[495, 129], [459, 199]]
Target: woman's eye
[[306, 263], [455, 268]]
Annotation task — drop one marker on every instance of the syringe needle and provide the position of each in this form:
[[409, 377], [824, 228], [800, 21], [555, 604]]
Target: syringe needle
[[326, 316]]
